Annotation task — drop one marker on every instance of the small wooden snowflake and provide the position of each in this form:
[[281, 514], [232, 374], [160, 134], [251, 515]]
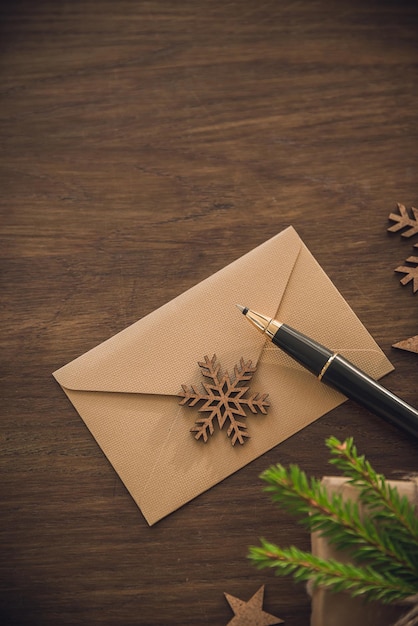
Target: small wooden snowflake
[[224, 399], [410, 271], [403, 220]]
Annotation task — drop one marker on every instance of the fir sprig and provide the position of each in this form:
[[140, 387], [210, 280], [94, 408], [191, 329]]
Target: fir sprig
[[336, 519], [330, 573], [383, 542], [383, 500]]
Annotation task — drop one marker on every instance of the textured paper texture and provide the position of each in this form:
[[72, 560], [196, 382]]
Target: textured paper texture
[[126, 388], [339, 609]]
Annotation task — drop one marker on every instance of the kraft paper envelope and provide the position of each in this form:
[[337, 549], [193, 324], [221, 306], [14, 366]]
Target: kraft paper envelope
[[126, 389]]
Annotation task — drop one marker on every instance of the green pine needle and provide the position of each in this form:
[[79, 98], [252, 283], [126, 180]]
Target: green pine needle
[[383, 501], [336, 576], [383, 542]]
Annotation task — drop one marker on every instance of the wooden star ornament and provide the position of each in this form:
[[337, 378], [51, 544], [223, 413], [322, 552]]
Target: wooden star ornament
[[251, 613]]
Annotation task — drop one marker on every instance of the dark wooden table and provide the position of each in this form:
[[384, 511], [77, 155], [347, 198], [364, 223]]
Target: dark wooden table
[[145, 145]]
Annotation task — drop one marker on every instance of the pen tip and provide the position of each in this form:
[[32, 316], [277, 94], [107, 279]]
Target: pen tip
[[243, 309]]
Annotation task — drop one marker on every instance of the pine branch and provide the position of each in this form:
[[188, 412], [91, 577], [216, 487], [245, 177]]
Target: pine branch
[[336, 576], [385, 535], [339, 521], [383, 501]]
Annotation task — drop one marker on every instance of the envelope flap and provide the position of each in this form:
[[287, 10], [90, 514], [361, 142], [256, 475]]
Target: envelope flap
[[160, 352]]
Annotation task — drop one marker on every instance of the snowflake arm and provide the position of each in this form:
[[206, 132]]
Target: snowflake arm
[[403, 220], [411, 272]]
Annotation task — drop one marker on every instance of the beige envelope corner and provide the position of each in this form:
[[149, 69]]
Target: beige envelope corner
[[126, 388]]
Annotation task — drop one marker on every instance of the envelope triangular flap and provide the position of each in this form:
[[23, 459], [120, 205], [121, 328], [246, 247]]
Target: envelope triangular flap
[[160, 352]]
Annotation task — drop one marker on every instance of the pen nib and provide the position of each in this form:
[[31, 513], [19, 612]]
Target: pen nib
[[243, 309]]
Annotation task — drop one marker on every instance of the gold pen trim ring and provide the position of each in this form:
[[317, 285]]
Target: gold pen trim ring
[[326, 366], [272, 328]]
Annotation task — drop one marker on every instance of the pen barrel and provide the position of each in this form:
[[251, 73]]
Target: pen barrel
[[337, 372], [358, 386], [303, 349]]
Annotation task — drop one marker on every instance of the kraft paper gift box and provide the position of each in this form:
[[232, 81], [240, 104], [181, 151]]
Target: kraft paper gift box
[[126, 389], [339, 609]]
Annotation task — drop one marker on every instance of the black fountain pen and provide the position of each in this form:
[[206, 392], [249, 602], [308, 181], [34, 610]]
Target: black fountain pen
[[334, 370]]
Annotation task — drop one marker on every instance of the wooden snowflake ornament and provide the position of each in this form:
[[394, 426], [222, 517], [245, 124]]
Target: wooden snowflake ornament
[[410, 271], [224, 399], [404, 220]]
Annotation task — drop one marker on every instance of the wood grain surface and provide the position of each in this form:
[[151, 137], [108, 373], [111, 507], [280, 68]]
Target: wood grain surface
[[145, 145]]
